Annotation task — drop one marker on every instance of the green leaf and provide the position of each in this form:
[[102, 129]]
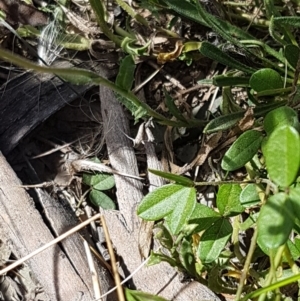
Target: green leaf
[[124, 81], [132, 295], [74, 41], [249, 196], [164, 236], [214, 240], [201, 219], [100, 199], [223, 81], [265, 79], [282, 155], [228, 200], [172, 107], [249, 222], [291, 53], [292, 21], [156, 258], [242, 150], [185, 9], [229, 105], [128, 46], [125, 77], [187, 256], [216, 54], [99, 181], [294, 248], [279, 117], [223, 123], [173, 201], [172, 177], [275, 221], [227, 121]]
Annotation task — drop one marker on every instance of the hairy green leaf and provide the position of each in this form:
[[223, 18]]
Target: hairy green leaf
[[292, 53], [279, 117], [216, 54], [228, 200], [99, 181], [223, 123], [187, 256], [223, 81], [265, 79], [176, 202], [249, 196], [201, 218], [172, 177], [125, 77], [282, 155], [156, 258], [242, 150], [214, 240], [275, 221], [98, 198], [292, 21]]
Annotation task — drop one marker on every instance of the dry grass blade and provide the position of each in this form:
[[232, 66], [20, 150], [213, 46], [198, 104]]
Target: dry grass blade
[[95, 278], [48, 245], [86, 165], [113, 261]]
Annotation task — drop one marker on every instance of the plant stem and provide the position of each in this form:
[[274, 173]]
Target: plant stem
[[247, 264], [224, 182], [249, 18]]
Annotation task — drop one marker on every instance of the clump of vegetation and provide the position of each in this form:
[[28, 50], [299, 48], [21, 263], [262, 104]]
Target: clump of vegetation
[[255, 216]]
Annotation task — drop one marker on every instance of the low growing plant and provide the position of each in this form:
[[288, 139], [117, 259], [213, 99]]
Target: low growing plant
[[202, 241]]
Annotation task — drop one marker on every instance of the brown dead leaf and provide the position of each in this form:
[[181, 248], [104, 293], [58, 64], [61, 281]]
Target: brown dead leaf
[[244, 124]]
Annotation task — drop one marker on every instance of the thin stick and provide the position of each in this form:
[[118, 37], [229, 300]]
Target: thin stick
[[113, 261], [51, 243], [95, 279], [126, 279]]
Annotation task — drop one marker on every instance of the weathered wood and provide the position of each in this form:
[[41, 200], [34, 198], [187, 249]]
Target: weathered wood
[[22, 224], [124, 227]]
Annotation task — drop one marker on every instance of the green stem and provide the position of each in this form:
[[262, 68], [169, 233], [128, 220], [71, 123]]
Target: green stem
[[98, 8], [247, 265], [82, 77], [224, 182], [272, 274], [249, 18]]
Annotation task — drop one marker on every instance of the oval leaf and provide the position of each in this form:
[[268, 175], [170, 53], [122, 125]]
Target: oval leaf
[[242, 150], [282, 155], [125, 76], [249, 196], [291, 53], [176, 178], [100, 199], [281, 116], [265, 79], [162, 201], [201, 219], [182, 211], [213, 240], [223, 123], [275, 221], [99, 181], [228, 200]]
